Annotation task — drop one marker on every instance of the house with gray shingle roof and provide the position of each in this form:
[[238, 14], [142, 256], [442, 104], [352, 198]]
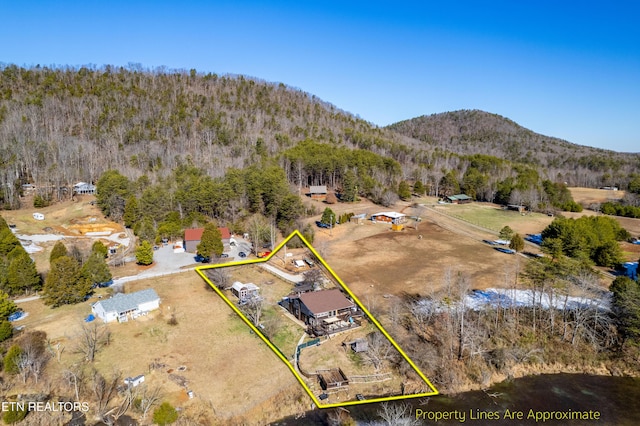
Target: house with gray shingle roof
[[121, 307]]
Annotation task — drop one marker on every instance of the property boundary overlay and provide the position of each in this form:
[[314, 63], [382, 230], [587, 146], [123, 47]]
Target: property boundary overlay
[[200, 270]]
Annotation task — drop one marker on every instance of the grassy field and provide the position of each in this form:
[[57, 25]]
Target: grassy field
[[493, 217]]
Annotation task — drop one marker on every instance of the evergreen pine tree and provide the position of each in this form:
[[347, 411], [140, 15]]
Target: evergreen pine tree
[[98, 248], [59, 250], [211, 241], [22, 275], [65, 284], [144, 253], [404, 191], [131, 214], [95, 269], [517, 243]]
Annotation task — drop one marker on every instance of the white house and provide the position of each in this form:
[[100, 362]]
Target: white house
[[122, 306], [84, 188], [132, 382]]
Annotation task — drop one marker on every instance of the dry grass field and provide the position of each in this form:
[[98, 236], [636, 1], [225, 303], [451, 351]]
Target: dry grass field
[[586, 196], [229, 369]]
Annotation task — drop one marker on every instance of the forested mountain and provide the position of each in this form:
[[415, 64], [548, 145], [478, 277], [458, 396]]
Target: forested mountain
[[468, 132], [62, 125]]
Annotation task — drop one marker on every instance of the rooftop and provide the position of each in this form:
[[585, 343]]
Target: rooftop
[[325, 300], [127, 302]]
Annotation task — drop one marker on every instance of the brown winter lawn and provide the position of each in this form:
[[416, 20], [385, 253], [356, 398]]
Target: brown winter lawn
[[228, 368]]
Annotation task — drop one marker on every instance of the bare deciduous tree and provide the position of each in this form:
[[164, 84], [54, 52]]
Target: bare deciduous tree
[[397, 414], [220, 277], [148, 397], [103, 392], [379, 350], [91, 338]]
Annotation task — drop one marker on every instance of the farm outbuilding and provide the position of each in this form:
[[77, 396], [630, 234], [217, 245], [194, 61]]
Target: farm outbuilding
[[193, 236], [359, 345], [318, 192], [244, 291], [122, 306], [389, 217], [132, 382], [333, 379], [459, 199]]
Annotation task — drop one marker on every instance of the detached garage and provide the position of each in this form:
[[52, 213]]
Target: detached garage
[[121, 307]]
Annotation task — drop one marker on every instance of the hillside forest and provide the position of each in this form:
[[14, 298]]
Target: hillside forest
[[62, 125]]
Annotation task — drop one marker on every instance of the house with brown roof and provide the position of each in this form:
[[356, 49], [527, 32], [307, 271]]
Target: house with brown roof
[[192, 237], [324, 311]]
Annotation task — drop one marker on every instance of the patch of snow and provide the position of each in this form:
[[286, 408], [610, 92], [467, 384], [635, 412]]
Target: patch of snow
[[500, 297], [40, 238]]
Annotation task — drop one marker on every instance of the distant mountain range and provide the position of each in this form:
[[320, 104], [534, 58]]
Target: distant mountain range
[[467, 132]]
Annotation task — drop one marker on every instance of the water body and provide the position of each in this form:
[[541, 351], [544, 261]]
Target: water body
[[554, 399]]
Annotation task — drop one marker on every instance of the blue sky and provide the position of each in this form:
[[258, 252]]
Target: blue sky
[[569, 69]]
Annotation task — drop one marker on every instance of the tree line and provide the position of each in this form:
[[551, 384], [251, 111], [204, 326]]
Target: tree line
[[190, 197]]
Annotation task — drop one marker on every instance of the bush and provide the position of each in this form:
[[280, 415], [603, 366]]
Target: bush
[[39, 201], [14, 415], [6, 330], [165, 414], [11, 359]]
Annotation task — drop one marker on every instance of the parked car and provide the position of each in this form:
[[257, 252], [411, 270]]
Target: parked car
[[309, 262], [201, 259], [224, 255], [322, 224], [242, 254], [103, 284]]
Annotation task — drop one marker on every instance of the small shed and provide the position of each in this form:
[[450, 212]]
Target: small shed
[[244, 291], [318, 192], [132, 382], [358, 219], [359, 345], [333, 379]]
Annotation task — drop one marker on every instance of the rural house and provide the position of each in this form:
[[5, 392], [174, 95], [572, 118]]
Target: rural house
[[192, 237], [324, 311], [122, 306], [318, 192], [389, 217], [244, 291], [84, 188]]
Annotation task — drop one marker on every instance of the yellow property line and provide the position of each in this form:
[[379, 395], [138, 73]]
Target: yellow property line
[[277, 351]]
